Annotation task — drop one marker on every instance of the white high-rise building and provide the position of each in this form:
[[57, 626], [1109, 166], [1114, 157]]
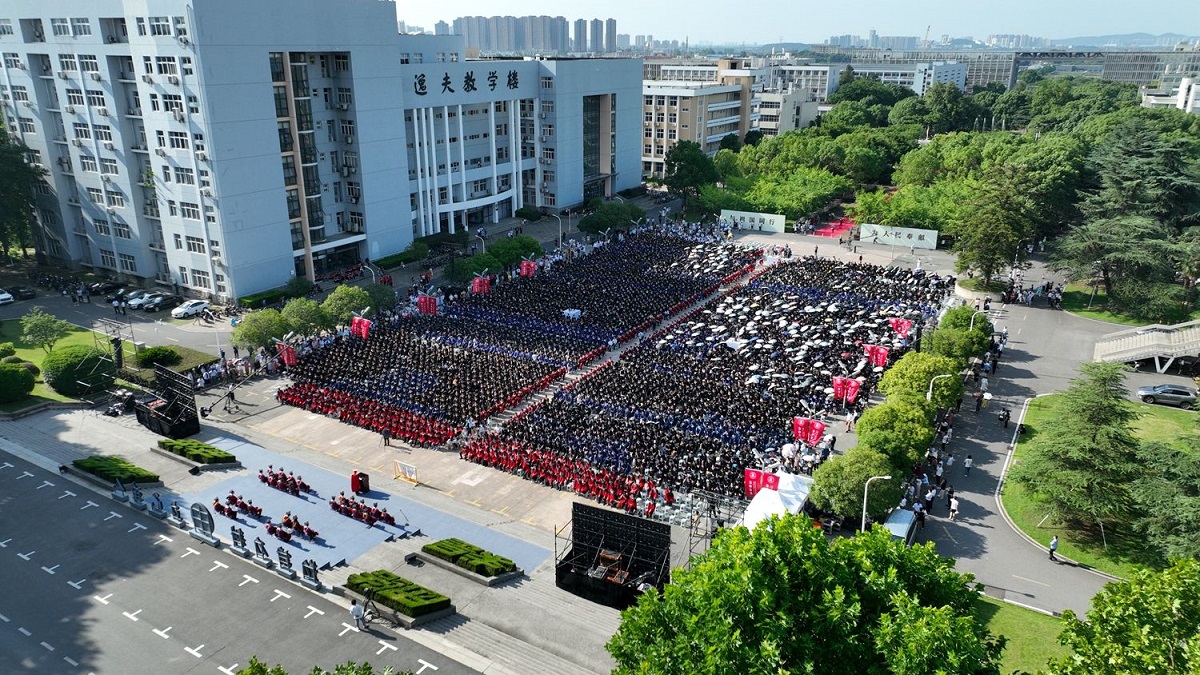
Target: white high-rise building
[[222, 147]]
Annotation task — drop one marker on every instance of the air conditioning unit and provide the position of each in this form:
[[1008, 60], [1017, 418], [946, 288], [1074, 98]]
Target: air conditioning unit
[[343, 106], [106, 178], [147, 79], [545, 160], [545, 139], [202, 156], [70, 110], [96, 76], [161, 152], [349, 138], [173, 79], [103, 112], [74, 201], [543, 115], [77, 142], [179, 116], [108, 145], [354, 200], [21, 66], [62, 75], [38, 165], [524, 139], [345, 171], [112, 211], [183, 40], [354, 169], [27, 104], [207, 192]]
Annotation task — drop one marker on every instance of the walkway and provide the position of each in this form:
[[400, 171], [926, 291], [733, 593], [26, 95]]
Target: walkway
[[1160, 342]]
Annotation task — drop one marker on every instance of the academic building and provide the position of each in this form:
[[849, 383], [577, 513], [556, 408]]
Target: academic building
[[224, 146]]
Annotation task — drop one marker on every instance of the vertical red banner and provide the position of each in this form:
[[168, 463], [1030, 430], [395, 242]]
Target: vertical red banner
[[752, 482], [853, 386], [528, 268], [288, 355], [800, 427], [815, 431], [427, 304], [901, 326]]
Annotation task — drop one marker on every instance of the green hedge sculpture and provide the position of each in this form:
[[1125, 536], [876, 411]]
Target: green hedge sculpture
[[201, 453], [398, 593]]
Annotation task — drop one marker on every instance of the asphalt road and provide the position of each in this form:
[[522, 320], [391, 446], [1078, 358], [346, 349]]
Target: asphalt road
[[89, 585]]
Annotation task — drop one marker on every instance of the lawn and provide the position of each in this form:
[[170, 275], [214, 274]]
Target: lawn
[[1126, 550], [1032, 636], [975, 285], [1077, 299]]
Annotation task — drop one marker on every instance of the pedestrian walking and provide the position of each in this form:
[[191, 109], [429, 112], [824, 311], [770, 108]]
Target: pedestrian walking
[[117, 307], [849, 420], [949, 496], [1005, 416], [978, 400], [359, 616], [387, 437], [954, 508], [1054, 547], [967, 466]]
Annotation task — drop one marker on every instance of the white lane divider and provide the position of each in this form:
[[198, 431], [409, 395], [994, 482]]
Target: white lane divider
[[89, 505], [26, 556], [131, 617], [25, 474], [230, 670], [104, 600], [136, 527], [384, 647], [50, 570], [4, 544], [313, 610], [248, 580], [77, 585], [6, 465], [3, 618], [347, 629], [24, 631], [71, 662], [113, 514], [195, 652], [217, 564], [280, 594], [162, 538], [425, 664], [163, 633], [47, 645], [67, 493], [45, 484], [190, 551]]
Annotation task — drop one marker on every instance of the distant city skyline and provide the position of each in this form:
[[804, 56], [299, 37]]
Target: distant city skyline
[[706, 21]]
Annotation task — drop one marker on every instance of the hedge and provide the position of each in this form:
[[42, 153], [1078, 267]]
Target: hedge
[[416, 252], [202, 453], [167, 356], [16, 382], [398, 593], [113, 469], [470, 557], [255, 301], [77, 371], [7, 349], [529, 213]]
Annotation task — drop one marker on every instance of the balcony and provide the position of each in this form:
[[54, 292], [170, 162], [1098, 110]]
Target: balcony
[[157, 246]]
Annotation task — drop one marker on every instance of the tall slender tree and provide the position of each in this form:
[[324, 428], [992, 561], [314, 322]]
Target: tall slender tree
[[18, 178]]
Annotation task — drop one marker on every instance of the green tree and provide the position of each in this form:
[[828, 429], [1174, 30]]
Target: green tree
[[958, 344], [43, 329], [991, 227], [964, 317], [344, 301], [612, 215], [1139, 172], [1167, 492], [16, 381], [917, 640], [784, 599], [1148, 624], [912, 374], [869, 90], [753, 137], [909, 111], [730, 142], [687, 169], [382, 297], [901, 428], [838, 483], [303, 316], [18, 178], [297, 287], [948, 109], [726, 162], [1082, 465], [262, 328], [1131, 249], [458, 270], [257, 667], [78, 371]]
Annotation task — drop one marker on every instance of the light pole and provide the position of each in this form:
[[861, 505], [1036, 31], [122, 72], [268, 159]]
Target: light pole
[[559, 219], [482, 241], [866, 487], [1017, 254], [929, 392], [972, 326]]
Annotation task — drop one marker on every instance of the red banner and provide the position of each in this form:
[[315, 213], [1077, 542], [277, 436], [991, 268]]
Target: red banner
[[877, 354], [756, 480], [901, 326], [846, 389], [360, 327], [481, 285], [853, 386], [288, 355], [528, 268], [800, 427], [427, 304], [815, 431]]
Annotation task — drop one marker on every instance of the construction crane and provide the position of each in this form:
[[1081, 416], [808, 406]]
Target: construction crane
[[925, 44]]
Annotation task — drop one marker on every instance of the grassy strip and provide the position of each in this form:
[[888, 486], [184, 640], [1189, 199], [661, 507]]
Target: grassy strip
[[1126, 551], [199, 452], [470, 557], [115, 468], [398, 593], [1032, 636], [1077, 299]]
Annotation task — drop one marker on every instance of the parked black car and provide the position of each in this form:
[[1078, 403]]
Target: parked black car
[[125, 294], [161, 301], [102, 287], [22, 292]]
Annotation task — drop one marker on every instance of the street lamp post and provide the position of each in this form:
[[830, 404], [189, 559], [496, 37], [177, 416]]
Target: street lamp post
[[482, 241], [866, 487], [972, 326], [559, 219], [1017, 254], [929, 392]]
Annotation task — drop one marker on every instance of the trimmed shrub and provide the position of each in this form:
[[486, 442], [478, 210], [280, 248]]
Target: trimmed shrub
[[201, 453], [529, 213], [255, 301], [398, 593], [416, 252], [12, 358], [7, 349], [31, 368], [15, 382], [77, 371], [470, 557], [166, 356], [114, 469]]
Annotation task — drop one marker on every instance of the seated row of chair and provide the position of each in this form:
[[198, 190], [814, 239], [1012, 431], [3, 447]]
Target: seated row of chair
[[358, 510], [284, 481], [234, 504]]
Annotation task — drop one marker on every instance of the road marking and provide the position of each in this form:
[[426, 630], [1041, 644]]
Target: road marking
[[313, 610], [88, 505], [425, 664], [171, 338], [194, 652], [217, 564], [162, 538], [136, 527], [26, 556], [3, 618], [190, 551], [77, 585], [50, 570], [70, 661], [347, 629], [249, 580], [530, 521], [280, 594], [67, 493], [384, 647], [113, 514], [163, 633], [47, 646], [104, 600], [25, 474], [1030, 581], [230, 670], [6, 465], [4, 544], [131, 617], [24, 631], [45, 484]]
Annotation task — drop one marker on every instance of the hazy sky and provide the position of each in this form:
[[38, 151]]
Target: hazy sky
[[808, 21]]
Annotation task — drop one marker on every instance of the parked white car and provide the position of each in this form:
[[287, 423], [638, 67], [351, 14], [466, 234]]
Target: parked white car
[[6, 297], [189, 309]]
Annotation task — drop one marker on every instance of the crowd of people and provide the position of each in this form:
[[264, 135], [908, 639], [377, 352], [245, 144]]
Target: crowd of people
[[696, 404], [352, 507]]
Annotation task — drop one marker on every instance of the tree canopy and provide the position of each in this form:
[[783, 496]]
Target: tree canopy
[[263, 328], [38, 327], [345, 301], [303, 317], [912, 374], [687, 169], [785, 599], [17, 181]]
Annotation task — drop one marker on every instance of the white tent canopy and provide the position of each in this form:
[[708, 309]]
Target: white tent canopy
[[764, 505]]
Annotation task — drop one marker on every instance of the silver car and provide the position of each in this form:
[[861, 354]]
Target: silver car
[[1168, 394]]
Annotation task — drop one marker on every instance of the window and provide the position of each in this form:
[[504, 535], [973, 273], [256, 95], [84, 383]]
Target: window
[[27, 125], [648, 117], [154, 104], [647, 149], [204, 181], [116, 200], [193, 105], [647, 100], [67, 62], [95, 98], [221, 283], [672, 118], [185, 65], [160, 25], [195, 245], [198, 139], [88, 63], [547, 82], [80, 27], [107, 258], [165, 65], [19, 93], [180, 27], [673, 101], [191, 212], [672, 134], [60, 27], [549, 176], [88, 163], [148, 65], [547, 153], [108, 166], [178, 242], [95, 195], [200, 278], [548, 107], [141, 26], [172, 102], [12, 60], [33, 156], [172, 208], [214, 246], [75, 97], [6, 27], [101, 227], [184, 176], [128, 263], [345, 96], [103, 132], [179, 140], [82, 131], [347, 128], [341, 62], [122, 230]]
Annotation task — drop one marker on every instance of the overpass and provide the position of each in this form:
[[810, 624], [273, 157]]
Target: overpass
[[1160, 342]]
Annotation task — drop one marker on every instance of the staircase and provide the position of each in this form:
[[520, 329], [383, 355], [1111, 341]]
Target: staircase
[[1160, 342]]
